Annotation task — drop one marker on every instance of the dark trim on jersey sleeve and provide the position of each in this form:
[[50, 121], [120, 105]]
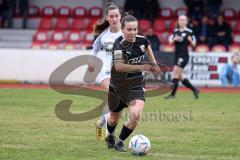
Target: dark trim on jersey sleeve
[[146, 42], [193, 36]]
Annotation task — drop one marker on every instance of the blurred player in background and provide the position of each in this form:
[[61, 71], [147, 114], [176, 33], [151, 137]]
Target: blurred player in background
[[230, 73], [127, 88], [181, 38], [108, 32]]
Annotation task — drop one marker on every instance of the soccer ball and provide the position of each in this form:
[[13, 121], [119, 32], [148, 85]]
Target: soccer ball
[[139, 145]]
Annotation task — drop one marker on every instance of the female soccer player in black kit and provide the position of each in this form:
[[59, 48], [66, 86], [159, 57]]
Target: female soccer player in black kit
[[181, 37], [126, 87]]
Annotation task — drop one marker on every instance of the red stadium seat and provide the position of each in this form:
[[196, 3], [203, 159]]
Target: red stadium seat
[[91, 24], [88, 39], [58, 37], [236, 38], [34, 11], [237, 27], [62, 24], [166, 13], [180, 11], [36, 45], [229, 13], [172, 26], [69, 46], [159, 26], [41, 37], [95, 12], [218, 48], [53, 45], [144, 25], [232, 23], [168, 48], [79, 12], [202, 48], [64, 11], [79, 24], [234, 48], [72, 46], [75, 37], [48, 11], [46, 24]]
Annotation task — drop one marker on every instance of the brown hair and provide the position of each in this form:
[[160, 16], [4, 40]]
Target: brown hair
[[127, 18], [100, 27], [177, 24]]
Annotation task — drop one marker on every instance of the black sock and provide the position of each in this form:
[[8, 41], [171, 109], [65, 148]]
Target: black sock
[[175, 87], [188, 84], [125, 132], [111, 129]]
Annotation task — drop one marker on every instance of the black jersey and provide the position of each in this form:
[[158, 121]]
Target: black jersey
[[133, 55], [181, 48]]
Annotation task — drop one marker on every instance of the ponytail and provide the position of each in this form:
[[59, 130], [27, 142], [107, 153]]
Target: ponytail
[[100, 27]]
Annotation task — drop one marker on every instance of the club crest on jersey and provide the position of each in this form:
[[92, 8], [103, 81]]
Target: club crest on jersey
[[183, 34], [142, 47]]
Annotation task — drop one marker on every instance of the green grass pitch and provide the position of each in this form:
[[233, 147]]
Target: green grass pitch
[[184, 128]]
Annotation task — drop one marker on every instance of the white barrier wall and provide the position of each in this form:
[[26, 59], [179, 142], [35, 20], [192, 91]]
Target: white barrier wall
[[36, 66]]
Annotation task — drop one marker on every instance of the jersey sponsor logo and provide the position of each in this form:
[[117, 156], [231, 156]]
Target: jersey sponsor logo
[[108, 46], [180, 60], [136, 60], [108, 50]]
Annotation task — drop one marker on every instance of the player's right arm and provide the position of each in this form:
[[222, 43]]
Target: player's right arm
[[173, 38], [96, 48]]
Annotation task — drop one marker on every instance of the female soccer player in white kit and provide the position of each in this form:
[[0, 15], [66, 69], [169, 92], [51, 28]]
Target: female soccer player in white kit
[[108, 32]]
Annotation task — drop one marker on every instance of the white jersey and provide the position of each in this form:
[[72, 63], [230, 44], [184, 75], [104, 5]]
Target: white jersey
[[102, 48]]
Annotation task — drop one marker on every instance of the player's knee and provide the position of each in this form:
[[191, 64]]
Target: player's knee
[[134, 118], [113, 119]]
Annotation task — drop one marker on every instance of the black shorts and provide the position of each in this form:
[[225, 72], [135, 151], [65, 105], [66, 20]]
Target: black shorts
[[181, 61], [118, 98]]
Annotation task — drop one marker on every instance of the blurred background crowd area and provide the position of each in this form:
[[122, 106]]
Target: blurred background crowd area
[[63, 24]]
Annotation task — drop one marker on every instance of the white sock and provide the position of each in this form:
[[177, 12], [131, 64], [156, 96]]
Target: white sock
[[101, 121], [104, 118], [107, 115]]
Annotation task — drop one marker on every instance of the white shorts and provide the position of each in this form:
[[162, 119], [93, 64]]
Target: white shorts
[[105, 72]]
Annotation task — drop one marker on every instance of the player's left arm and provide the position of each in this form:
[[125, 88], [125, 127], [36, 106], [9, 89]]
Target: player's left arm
[[192, 39], [150, 55]]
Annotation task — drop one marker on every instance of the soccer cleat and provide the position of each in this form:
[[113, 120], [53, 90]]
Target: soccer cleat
[[99, 132], [196, 93], [119, 146], [169, 97], [110, 139]]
